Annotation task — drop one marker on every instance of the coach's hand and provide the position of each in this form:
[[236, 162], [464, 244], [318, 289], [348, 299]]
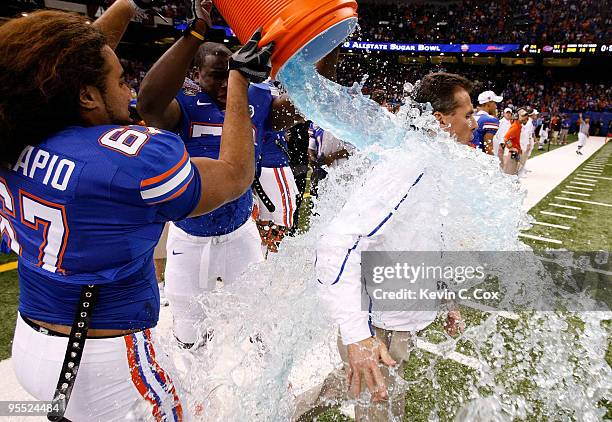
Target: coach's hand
[[364, 357], [251, 61], [454, 322]]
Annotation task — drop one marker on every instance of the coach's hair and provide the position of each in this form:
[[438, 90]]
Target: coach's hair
[[45, 60], [439, 90], [210, 49]]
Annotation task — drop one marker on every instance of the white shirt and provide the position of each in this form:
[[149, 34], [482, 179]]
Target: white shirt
[[364, 224], [527, 132], [504, 125]]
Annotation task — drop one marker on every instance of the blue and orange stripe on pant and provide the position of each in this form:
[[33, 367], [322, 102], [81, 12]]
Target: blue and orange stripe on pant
[[144, 362]]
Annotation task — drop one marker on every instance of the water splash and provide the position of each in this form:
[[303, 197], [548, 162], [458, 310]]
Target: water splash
[[273, 339]]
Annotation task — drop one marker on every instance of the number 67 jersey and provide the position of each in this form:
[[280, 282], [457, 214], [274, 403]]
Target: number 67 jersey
[[87, 206]]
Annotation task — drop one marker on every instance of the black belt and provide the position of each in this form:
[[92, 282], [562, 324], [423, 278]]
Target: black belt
[[74, 353], [263, 196]]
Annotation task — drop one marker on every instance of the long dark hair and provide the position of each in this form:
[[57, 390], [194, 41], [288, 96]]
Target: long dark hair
[[45, 60]]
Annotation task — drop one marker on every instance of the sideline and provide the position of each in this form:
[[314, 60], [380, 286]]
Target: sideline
[[8, 267], [546, 171]]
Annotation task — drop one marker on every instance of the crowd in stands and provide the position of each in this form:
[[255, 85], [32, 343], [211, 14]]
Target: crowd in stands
[[488, 21], [559, 96], [541, 87], [471, 21]]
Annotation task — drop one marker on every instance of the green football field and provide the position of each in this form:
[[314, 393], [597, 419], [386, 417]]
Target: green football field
[[440, 386]]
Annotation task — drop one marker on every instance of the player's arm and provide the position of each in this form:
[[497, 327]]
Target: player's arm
[[284, 114], [338, 155], [115, 20], [491, 127], [156, 100]]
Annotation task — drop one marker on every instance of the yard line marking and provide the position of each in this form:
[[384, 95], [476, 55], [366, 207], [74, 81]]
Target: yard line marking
[[565, 206], [583, 201], [589, 173], [575, 193], [456, 356], [600, 177], [595, 166], [584, 179], [556, 226], [554, 214], [583, 183], [8, 267], [485, 308], [543, 239], [579, 188]]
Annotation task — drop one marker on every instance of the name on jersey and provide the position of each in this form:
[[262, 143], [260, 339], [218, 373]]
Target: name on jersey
[[45, 167]]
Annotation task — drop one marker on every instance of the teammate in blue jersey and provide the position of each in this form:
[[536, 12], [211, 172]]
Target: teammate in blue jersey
[[84, 197], [488, 123], [207, 252], [275, 191]]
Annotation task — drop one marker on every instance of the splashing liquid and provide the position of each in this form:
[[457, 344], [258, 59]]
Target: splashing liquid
[[273, 339]]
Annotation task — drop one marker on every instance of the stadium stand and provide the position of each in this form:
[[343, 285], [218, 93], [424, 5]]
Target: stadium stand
[[487, 21]]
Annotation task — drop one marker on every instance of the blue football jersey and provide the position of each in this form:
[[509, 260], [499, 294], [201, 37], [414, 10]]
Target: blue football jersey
[[275, 151], [87, 206], [486, 124], [200, 128]]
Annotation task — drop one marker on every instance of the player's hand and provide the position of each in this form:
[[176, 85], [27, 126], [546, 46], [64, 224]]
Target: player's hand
[[251, 61], [364, 357], [199, 9], [454, 322]]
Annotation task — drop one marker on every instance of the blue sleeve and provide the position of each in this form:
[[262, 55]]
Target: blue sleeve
[[170, 184], [491, 125]]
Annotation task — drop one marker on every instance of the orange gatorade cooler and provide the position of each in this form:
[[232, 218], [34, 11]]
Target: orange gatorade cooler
[[314, 27]]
